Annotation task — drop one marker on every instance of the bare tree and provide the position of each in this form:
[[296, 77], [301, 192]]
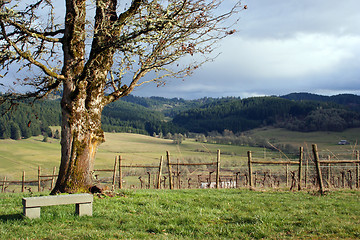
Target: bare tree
[[97, 61]]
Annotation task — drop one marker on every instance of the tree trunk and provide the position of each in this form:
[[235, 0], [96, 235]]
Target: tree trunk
[[81, 135], [83, 91]]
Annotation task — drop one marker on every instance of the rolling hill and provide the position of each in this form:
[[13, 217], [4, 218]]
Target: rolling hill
[[155, 115]]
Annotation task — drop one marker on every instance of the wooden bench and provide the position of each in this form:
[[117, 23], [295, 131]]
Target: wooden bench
[[31, 205]]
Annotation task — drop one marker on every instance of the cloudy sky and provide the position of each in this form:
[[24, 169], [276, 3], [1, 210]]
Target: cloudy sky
[[281, 46]]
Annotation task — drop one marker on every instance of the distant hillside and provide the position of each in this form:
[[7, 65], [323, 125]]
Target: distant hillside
[[349, 100], [168, 106], [239, 115], [122, 116], [297, 111], [26, 120]]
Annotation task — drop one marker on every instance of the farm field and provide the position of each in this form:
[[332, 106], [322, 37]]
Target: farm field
[[28, 154], [192, 214], [326, 141]]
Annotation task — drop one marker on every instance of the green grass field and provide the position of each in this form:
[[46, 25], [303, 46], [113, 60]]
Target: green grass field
[[181, 214], [192, 214]]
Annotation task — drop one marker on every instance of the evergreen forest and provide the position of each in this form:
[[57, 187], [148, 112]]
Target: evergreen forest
[[162, 117]]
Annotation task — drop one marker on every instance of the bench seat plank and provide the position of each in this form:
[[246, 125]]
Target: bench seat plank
[[57, 200], [83, 202]]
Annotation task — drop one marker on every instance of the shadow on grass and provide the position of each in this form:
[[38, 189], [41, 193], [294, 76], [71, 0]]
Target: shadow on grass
[[11, 217]]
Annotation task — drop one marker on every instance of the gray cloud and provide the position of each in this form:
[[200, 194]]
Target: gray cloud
[[281, 47]]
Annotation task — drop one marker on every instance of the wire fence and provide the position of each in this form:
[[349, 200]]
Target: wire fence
[[256, 170]]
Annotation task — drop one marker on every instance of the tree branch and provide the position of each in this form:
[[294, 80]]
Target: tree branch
[[130, 12], [28, 57], [35, 33]]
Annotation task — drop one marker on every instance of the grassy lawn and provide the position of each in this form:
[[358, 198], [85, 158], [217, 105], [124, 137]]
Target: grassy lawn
[[192, 214]]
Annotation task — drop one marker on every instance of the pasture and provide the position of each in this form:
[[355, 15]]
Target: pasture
[[28, 154], [327, 141]]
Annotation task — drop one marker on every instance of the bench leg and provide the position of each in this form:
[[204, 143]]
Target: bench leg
[[83, 209], [31, 212]]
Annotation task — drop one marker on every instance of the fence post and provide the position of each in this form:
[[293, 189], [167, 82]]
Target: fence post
[[318, 169], [114, 176], [357, 170], [250, 169], [255, 178], [120, 173], [218, 170], [3, 186], [287, 175], [53, 178], [39, 179], [237, 180], [177, 174], [329, 172], [159, 174], [306, 171], [169, 169], [300, 167], [343, 179], [149, 180], [23, 182]]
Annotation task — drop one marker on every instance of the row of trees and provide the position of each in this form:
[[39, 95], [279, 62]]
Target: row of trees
[[234, 114], [32, 119], [26, 120], [240, 139], [239, 115], [331, 119]]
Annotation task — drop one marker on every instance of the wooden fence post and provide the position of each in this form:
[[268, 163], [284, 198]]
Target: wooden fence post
[[53, 178], [300, 167], [23, 182], [250, 169], [318, 169], [218, 170], [237, 179], [169, 169], [209, 179], [177, 174], [306, 171], [357, 170], [114, 175], [287, 175], [255, 178], [164, 182], [159, 174], [3, 186], [149, 180], [329, 172], [179, 179], [120, 173], [39, 179]]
